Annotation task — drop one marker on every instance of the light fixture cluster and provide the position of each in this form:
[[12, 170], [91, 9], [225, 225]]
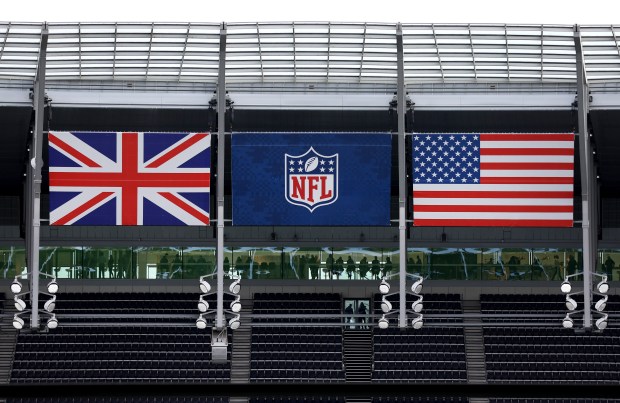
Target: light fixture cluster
[[21, 305], [602, 287], [416, 306], [203, 305]]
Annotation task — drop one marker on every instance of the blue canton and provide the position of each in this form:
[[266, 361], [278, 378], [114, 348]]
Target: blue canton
[[446, 158]]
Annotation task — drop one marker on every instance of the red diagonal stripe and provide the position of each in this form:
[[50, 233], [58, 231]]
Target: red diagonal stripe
[[84, 207], [177, 150], [72, 151], [180, 203]]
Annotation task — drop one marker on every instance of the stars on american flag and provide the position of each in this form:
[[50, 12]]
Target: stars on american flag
[[446, 158]]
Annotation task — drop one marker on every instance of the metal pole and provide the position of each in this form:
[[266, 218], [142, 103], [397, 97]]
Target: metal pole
[[586, 164], [402, 179], [221, 151], [34, 181]]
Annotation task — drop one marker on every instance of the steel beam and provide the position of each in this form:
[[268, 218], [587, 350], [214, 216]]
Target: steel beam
[[588, 222], [221, 151], [35, 163], [402, 179]]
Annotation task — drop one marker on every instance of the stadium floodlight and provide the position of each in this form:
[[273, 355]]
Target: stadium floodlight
[[20, 304], [384, 287], [418, 322], [201, 322], [203, 305], [235, 287], [18, 323], [566, 287], [601, 323], [50, 304], [571, 304], [416, 288], [383, 322], [52, 322], [235, 322], [603, 286], [205, 287], [235, 306], [567, 322], [52, 287], [16, 286], [386, 306], [601, 304], [417, 306]]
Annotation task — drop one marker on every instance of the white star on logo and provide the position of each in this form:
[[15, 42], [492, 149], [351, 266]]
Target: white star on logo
[[291, 162], [322, 162], [331, 169], [322, 169]]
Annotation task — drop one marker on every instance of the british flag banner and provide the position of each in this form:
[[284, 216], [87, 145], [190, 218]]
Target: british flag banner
[[486, 179], [129, 178]]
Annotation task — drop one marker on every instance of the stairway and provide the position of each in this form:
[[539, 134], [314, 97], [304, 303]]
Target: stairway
[[241, 345], [357, 352], [8, 338], [474, 349]]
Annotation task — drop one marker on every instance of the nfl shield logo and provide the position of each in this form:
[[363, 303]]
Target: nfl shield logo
[[311, 179]]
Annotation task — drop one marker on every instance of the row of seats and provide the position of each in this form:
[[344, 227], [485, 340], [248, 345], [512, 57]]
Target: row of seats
[[114, 364], [296, 365], [91, 356], [118, 399]]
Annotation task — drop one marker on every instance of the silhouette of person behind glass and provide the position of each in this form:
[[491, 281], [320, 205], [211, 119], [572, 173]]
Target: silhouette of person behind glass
[[362, 311]]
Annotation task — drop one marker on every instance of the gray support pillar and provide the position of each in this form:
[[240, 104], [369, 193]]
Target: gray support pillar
[[221, 152], [402, 179], [587, 167], [33, 214]]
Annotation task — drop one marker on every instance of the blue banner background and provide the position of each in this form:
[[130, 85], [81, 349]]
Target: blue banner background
[[258, 178]]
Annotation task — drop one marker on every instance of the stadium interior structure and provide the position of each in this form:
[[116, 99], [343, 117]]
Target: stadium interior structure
[[495, 319]]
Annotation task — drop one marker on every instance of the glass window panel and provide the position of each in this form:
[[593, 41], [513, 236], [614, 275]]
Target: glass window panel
[[454, 264], [12, 260], [609, 263], [198, 262], [254, 263], [63, 262], [418, 261], [157, 263]]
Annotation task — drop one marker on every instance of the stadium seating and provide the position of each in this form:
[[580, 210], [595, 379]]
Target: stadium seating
[[296, 353], [548, 353], [434, 353], [107, 347]]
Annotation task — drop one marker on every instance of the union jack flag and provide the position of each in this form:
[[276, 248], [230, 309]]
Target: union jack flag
[[129, 178]]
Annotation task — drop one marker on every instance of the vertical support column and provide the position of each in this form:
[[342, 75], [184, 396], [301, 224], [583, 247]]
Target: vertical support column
[[587, 166], [33, 214], [221, 152], [402, 179]]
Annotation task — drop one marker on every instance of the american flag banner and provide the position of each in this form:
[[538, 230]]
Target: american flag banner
[[129, 178], [485, 179]]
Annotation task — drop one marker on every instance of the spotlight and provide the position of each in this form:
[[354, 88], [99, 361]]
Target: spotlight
[[18, 322], [50, 304], [601, 304], [384, 287], [20, 304], [52, 287], [603, 286], [386, 306], [383, 322], [235, 306], [565, 287], [235, 287], [16, 286], [418, 322], [571, 304], [234, 323], [567, 322], [416, 288], [52, 323], [601, 323], [203, 305], [204, 286], [201, 322], [417, 305]]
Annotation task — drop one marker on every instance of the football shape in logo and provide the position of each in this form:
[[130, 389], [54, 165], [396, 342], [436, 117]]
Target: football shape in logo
[[311, 164]]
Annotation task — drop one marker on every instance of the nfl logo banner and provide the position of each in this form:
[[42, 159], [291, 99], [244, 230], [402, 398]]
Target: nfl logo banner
[[487, 179], [129, 178], [311, 178]]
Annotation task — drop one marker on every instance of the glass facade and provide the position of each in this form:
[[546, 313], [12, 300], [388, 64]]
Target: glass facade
[[355, 263]]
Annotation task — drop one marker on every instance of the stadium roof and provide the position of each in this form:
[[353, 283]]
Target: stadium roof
[[331, 52]]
